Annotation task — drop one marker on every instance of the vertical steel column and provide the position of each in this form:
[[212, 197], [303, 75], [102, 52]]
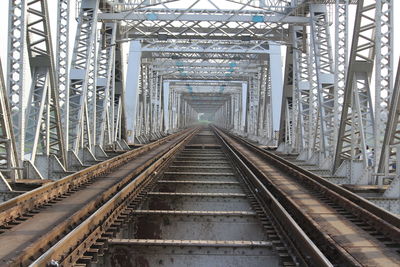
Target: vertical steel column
[[166, 105], [383, 72], [253, 105], [306, 117], [62, 53], [391, 142], [43, 130], [117, 95], [276, 82], [243, 107], [159, 111], [262, 102], [105, 86], [297, 37], [356, 124], [8, 152], [15, 70], [232, 115], [132, 89], [285, 128], [77, 109], [341, 54], [91, 98], [268, 111], [324, 79]]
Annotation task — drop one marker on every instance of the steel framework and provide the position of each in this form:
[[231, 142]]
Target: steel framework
[[142, 69]]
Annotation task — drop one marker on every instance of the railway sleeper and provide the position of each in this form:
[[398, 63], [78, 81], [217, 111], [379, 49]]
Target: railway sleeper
[[76, 182], [107, 234], [85, 260], [356, 213], [92, 253], [285, 255]]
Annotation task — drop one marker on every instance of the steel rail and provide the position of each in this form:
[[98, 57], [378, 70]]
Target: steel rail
[[325, 241], [20, 205], [34, 249], [73, 246], [380, 218], [307, 251]]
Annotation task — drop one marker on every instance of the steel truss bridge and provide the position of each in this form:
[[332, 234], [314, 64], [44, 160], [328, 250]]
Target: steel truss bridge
[[140, 74], [189, 58]]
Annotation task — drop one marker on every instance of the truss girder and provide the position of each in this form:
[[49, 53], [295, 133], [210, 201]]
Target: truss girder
[[62, 52], [43, 130], [341, 55], [324, 79], [292, 106], [208, 47], [223, 89], [383, 71], [391, 141], [204, 64], [16, 63], [8, 152], [104, 85], [35, 109], [303, 93], [356, 130], [123, 5], [116, 96], [189, 60], [204, 24], [82, 65], [281, 6], [264, 120], [285, 128]]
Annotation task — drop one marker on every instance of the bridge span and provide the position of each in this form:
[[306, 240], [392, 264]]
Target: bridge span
[[199, 133]]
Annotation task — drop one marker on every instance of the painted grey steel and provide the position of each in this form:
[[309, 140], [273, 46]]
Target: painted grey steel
[[43, 131], [34, 107], [356, 131], [383, 72], [16, 58], [8, 154], [62, 54], [188, 62], [77, 124], [324, 79]]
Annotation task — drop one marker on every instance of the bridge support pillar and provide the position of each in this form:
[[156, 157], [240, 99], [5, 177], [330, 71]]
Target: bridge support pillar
[[132, 89]]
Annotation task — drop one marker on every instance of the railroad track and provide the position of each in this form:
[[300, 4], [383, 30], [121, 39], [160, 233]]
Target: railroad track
[[349, 230], [36, 220], [207, 196], [199, 208]]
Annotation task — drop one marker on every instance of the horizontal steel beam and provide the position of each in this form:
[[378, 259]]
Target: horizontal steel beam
[[190, 15], [207, 50]]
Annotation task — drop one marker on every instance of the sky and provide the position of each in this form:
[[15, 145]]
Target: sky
[[53, 22]]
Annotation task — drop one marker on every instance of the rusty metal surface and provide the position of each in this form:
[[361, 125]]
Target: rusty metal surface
[[197, 203], [46, 224], [183, 254], [16, 207], [198, 187], [341, 235], [88, 234], [197, 227], [197, 214], [177, 216]]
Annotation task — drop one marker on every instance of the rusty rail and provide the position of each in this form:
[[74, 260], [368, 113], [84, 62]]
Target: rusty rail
[[18, 206], [307, 251], [324, 241], [73, 246], [377, 217]]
